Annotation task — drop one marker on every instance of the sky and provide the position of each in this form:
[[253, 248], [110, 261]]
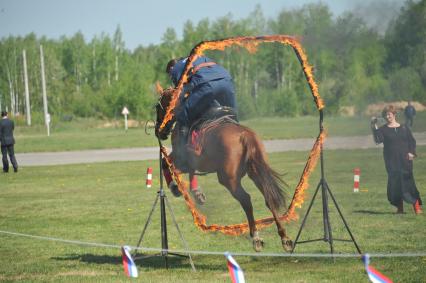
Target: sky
[[142, 22]]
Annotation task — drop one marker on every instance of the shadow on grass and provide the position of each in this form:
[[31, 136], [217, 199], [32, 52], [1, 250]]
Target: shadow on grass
[[373, 212], [91, 258], [151, 261]]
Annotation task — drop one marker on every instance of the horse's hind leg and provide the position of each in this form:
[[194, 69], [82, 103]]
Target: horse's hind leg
[[286, 242], [234, 186]]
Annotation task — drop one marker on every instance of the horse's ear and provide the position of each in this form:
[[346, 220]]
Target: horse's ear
[[159, 88]]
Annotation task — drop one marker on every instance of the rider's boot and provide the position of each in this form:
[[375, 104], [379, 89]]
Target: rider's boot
[[181, 160], [171, 184]]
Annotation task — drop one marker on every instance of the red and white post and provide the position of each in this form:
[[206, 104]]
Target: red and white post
[[357, 173], [149, 177]]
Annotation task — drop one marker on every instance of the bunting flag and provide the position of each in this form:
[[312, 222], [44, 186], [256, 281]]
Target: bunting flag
[[374, 275], [235, 270], [128, 263]]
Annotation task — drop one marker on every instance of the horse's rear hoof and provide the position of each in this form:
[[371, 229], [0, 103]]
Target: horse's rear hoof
[[258, 243], [287, 244], [200, 197]]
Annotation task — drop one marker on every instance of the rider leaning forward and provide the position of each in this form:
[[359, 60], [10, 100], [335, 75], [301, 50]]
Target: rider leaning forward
[[209, 85]]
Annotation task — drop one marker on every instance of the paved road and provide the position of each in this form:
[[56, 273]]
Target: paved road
[[149, 153]]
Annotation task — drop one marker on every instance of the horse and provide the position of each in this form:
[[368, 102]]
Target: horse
[[232, 150]]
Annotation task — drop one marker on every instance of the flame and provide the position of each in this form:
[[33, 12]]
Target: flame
[[250, 43]]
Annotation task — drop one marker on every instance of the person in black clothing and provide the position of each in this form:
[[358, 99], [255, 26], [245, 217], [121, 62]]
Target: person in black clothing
[[7, 142], [409, 113], [399, 151]]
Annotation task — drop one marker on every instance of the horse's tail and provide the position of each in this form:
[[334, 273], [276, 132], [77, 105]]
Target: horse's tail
[[267, 180]]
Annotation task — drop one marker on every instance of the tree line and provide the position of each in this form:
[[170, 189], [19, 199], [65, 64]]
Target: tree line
[[354, 65]]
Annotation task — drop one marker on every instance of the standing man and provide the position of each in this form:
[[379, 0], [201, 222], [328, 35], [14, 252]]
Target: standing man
[[7, 142], [409, 113]]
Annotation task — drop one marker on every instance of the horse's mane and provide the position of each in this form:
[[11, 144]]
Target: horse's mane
[[161, 107]]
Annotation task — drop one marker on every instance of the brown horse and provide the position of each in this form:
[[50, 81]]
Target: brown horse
[[232, 151]]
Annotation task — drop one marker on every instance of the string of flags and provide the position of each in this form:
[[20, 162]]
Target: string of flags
[[237, 274]]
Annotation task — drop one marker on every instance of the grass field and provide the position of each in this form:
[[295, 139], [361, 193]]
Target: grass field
[[108, 203], [91, 134]]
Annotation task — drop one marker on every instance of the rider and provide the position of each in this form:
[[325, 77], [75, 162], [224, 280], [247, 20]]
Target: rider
[[208, 84]]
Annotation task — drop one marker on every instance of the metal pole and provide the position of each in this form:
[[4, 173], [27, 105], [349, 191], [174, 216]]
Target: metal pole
[[43, 84], [125, 122], [164, 241], [27, 93]]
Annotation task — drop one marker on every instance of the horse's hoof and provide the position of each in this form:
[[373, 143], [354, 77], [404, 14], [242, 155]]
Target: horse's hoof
[[258, 243], [174, 189], [287, 244], [200, 197]]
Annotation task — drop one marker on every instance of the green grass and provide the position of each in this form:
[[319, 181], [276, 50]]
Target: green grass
[[307, 126], [88, 134], [80, 134], [108, 203]]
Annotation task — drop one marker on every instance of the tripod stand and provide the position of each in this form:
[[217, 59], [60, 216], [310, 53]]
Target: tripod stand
[[325, 191], [164, 241]]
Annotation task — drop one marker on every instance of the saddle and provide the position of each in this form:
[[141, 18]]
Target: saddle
[[214, 116]]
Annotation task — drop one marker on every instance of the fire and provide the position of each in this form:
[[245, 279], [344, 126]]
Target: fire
[[250, 43]]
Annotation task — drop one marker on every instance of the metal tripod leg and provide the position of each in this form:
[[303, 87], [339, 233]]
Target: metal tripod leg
[[164, 241], [304, 219], [344, 220], [328, 236], [146, 224], [185, 244]]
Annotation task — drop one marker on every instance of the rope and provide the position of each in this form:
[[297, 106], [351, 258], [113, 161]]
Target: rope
[[199, 252]]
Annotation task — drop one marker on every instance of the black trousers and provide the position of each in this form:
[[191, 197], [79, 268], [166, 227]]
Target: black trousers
[[5, 149]]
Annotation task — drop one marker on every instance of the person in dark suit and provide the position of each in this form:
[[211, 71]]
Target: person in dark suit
[[409, 113], [7, 142]]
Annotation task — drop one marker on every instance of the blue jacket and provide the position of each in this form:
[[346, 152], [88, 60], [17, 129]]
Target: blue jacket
[[211, 73], [206, 85]]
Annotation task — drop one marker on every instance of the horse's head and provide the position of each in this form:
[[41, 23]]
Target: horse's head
[[161, 109]]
